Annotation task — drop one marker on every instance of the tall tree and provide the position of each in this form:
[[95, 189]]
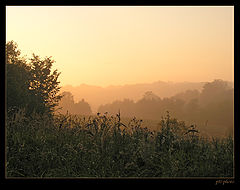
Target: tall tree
[[17, 75], [30, 85], [44, 84], [67, 102]]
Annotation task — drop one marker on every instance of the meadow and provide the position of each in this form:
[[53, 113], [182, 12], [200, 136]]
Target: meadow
[[102, 145]]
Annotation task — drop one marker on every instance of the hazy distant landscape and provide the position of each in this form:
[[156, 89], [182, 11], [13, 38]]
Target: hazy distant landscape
[[97, 96], [191, 102], [119, 91]]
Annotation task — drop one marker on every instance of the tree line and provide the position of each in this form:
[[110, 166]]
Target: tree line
[[213, 105]]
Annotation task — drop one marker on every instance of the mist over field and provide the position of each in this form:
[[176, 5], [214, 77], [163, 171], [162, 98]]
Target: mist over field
[[207, 104], [96, 95]]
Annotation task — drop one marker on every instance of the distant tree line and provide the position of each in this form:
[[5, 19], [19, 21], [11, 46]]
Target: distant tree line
[[214, 103]]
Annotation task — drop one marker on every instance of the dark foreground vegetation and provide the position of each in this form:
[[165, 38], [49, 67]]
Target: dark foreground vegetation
[[102, 146]]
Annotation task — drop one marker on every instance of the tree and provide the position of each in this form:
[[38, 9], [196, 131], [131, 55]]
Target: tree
[[17, 75], [215, 91], [82, 108], [149, 95], [44, 85], [66, 103], [30, 85], [188, 95]]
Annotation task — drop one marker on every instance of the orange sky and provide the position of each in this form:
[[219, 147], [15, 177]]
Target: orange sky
[[115, 45]]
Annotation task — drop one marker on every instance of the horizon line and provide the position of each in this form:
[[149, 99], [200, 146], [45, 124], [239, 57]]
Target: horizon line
[[141, 83]]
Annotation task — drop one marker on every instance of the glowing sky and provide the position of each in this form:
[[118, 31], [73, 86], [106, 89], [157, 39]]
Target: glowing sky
[[115, 45]]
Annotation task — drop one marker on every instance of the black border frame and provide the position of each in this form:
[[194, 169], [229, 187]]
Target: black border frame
[[128, 181]]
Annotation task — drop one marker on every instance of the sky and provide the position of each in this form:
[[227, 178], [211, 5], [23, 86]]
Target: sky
[[117, 45]]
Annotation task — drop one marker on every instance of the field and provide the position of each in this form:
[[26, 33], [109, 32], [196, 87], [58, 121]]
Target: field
[[207, 130], [108, 146]]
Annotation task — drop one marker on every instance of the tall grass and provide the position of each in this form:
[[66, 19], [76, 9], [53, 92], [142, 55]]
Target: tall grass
[[103, 146]]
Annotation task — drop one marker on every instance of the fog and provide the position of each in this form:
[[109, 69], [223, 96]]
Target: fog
[[209, 105], [96, 95]]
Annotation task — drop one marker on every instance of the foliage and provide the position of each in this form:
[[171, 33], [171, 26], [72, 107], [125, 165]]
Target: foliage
[[17, 75], [44, 84], [214, 105], [67, 104], [102, 146], [30, 85]]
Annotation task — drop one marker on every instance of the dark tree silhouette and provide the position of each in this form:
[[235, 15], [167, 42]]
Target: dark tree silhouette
[[30, 85], [44, 84]]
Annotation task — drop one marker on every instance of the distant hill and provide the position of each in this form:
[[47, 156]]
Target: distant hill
[[96, 95]]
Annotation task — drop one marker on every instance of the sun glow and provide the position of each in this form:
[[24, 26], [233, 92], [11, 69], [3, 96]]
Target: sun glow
[[127, 44]]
